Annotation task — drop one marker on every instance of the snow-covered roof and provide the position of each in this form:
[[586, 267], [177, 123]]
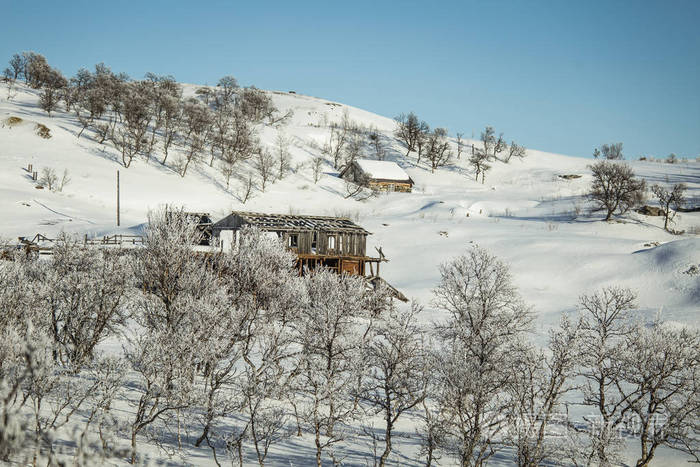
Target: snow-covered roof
[[383, 170]]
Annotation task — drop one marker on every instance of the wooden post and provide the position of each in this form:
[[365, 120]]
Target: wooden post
[[29, 168], [35, 175], [118, 220]]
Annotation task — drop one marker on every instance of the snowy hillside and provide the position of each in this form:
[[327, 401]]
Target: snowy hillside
[[525, 213]]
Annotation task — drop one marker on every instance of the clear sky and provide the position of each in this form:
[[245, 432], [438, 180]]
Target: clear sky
[[556, 75]]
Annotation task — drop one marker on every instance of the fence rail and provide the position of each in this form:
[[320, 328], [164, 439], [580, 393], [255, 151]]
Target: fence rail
[[44, 245]]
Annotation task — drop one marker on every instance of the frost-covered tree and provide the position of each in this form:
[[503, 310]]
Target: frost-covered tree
[[166, 346], [605, 325], [482, 336], [249, 338], [333, 327], [659, 372], [540, 383], [397, 361], [84, 292], [615, 188]]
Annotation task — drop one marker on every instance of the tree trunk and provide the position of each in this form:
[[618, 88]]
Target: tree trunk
[[387, 443], [318, 446], [133, 447]]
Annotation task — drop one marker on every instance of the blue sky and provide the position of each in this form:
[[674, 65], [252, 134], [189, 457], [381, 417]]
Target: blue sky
[[561, 76]]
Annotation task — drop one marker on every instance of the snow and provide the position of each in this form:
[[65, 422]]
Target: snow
[[384, 170], [524, 213]]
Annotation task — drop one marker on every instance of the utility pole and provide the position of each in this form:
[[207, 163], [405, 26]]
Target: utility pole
[[117, 197]]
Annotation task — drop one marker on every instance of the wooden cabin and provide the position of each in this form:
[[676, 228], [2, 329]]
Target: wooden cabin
[[334, 242], [378, 175]]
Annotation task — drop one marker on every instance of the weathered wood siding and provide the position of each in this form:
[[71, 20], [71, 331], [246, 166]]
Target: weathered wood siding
[[345, 244]]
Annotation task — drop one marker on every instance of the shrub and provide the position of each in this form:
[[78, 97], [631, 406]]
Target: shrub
[[13, 121], [43, 131]]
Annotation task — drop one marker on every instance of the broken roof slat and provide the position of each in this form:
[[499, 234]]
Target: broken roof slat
[[289, 222]]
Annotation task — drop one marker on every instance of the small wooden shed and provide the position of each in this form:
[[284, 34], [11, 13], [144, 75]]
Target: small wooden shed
[[334, 242], [378, 175]]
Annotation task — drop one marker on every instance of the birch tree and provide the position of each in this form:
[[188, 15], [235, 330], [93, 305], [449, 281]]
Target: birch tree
[[397, 361], [483, 334]]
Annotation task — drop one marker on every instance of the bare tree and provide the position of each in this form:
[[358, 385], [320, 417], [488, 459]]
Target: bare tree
[[612, 151], [437, 149], [53, 82], [614, 187], [375, 140], [670, 200], [359, 188], [479, 160], [317, 168], [130, 137], [355, 146], [172, 121], [338, 139], [282, 143], [49, 179], [264, 164], [240, 142], [16, 66], [196, 120], [460, 145], [246, 190], [255, 104], [515, 150], [492, 146], [487, 320], [409, 130], [226, 92]]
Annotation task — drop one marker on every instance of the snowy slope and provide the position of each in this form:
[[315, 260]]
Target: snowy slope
[[524, 213]]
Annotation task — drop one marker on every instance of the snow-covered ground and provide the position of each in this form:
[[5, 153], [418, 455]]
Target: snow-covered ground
[[525, 213]]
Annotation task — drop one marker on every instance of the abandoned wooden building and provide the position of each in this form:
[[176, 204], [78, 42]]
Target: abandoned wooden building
[[334, 242], [378, 175]]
